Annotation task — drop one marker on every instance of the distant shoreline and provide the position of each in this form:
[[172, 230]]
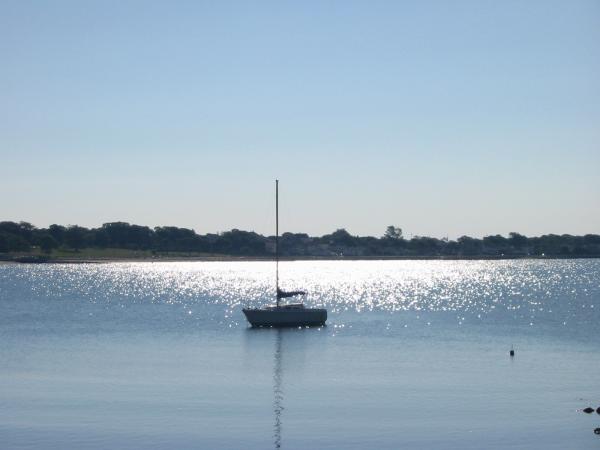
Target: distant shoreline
[[226, 258], [116, 241]]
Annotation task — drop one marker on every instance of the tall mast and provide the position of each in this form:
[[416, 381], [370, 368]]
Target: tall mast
[[277, 241]]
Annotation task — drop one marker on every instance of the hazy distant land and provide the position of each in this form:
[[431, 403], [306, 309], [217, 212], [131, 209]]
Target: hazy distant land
[[122, 241]]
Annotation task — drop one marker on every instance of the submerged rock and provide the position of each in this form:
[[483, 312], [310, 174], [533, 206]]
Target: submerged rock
[[588, 410]]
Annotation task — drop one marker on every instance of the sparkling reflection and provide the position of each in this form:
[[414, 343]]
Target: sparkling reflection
[[526, 290]]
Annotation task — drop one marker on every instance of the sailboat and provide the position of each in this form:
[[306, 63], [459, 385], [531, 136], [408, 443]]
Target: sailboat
[[284, 314]]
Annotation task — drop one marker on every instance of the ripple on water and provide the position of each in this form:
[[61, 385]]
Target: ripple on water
[[531, 290]]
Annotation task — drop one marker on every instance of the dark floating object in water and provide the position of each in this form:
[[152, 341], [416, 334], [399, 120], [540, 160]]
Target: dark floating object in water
[[588, 410], [512, 351], [598, 410], [597, 431]]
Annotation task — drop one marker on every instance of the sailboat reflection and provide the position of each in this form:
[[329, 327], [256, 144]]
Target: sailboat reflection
[[279, 340], [277, 388]]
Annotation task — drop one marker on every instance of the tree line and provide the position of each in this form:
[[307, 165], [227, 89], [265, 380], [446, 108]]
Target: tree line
[[24, 237]]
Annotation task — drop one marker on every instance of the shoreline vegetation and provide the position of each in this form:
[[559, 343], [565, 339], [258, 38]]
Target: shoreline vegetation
[[121, 241]]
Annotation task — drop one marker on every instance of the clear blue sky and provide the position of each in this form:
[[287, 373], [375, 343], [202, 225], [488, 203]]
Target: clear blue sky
[[441, 117]]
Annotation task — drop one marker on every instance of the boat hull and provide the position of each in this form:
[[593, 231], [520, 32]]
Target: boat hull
[[282, 317]]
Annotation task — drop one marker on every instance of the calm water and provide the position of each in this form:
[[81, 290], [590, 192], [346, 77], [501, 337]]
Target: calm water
[[415, 355]]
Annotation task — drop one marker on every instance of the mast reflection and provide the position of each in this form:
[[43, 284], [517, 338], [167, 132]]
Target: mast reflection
[[277, 388]]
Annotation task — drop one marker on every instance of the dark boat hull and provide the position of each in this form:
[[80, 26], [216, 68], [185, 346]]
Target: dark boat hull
[[283, 317]]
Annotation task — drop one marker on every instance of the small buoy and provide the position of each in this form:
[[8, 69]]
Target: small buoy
[[597, 431], [512, 351], [588, 410]]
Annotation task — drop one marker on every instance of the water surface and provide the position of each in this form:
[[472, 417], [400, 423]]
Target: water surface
[[415, 355]]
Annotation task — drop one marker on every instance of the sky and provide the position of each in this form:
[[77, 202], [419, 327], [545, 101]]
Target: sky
[[442, 118]]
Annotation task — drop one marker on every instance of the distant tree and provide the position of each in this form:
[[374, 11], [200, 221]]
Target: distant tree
[[340, 237], [23, 230], [494, 241], [100, 238], [174, 239], [469, 245], [550, 244], [292, 243], [9, 227], [47, 243], [17, 243], [392, 232], [517, 240], [3, 244], [425, 246], [124, 235], [58, 233], [75, 237], [564, 250], [451, 248], [26, 230], [495, 245], [20, 236], [591, 239], [238, 242], [371, 246]]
